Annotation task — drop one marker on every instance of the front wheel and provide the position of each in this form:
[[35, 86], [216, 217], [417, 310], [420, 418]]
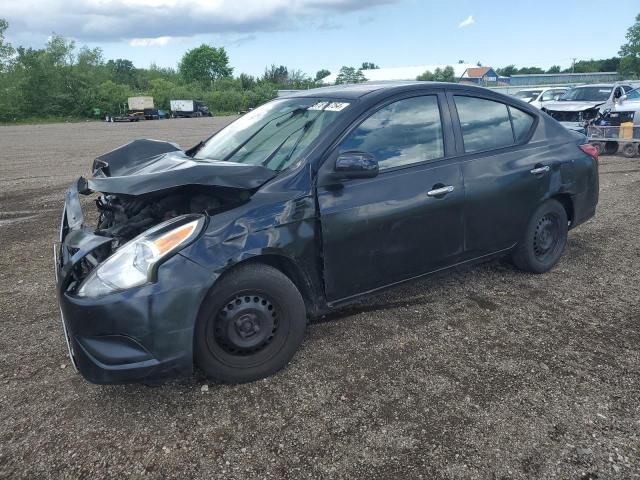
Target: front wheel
[[544, 240], [250, 325]]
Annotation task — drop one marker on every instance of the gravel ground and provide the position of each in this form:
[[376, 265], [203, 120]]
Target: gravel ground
[[482, 373]]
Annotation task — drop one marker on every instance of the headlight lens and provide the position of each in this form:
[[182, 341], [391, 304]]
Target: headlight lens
[[134, 263]]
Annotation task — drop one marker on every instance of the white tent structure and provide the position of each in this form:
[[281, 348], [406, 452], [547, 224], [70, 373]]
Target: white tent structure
[[402, 73]]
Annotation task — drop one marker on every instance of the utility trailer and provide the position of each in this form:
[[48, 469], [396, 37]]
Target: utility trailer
[[123, 116], [609, 139], [188, 109]]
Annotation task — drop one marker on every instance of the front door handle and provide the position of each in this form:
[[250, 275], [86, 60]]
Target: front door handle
[[539, 170], [436, 192]]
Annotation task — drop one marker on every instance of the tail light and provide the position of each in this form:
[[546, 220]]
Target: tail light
[[590, 150]]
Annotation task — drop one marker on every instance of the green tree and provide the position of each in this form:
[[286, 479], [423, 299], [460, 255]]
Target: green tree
[[111, 96], [205, 65], [445, 74], [6, 50], [247, 82], [320, 74], [507, 71], [350, 75], [530, 71], [369, 66], [122, 71], [426, 76], [630, 51], [629, 66], [276, 75], [60, 50], [554, 69]]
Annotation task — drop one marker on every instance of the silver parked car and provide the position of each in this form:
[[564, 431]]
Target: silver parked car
[[539, 97]]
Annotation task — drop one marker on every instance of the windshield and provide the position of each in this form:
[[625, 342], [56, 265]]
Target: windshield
[[633, 94], [528, 93], [273, 135], [587, 94]]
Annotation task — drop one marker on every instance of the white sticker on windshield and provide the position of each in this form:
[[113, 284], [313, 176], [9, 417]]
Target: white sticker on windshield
[[329, 106], [605, 90], [318, 106], [336, 106]]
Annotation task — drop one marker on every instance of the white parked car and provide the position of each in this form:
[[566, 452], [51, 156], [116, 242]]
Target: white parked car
[[629, 102], [584, 103], [539, 96]]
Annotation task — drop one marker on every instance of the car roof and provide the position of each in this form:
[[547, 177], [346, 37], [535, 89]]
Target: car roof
[[351, 90], [597, 85], [358, 90]]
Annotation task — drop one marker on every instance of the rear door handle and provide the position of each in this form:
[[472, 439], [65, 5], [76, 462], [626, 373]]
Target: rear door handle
[[436, 192], [539, 170]]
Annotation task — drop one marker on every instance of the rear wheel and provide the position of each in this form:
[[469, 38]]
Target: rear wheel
[[250, 325], [544, 240], [629, 150]]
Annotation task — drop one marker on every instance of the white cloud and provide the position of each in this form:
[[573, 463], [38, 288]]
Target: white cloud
[[145, 20], [149, 42], [467, 22]]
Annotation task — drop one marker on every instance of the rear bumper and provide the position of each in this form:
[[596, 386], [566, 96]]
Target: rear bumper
[[144, 333]]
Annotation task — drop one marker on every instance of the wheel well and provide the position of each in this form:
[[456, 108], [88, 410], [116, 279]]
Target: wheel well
[[567, 203], [293, 272]]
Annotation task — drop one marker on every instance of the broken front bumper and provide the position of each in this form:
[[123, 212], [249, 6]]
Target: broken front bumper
[[144, 333]]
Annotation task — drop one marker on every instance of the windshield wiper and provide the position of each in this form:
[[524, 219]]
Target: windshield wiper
[[291, 114], [305, 128]]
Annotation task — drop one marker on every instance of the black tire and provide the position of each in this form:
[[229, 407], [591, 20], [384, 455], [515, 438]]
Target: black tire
[[629, 150], [250, 325], [544, 240], [611, 147]]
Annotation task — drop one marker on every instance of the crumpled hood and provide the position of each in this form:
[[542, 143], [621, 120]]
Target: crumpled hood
[[571, 106], [145, 166]]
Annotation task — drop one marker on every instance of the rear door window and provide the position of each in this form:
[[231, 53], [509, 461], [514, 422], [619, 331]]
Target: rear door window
[[485, 124]]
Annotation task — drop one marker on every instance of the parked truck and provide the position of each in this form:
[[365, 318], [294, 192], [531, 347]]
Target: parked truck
[[143, 107], [189, 108]]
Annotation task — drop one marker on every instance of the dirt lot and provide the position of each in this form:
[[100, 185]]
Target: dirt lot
[[480, 373]]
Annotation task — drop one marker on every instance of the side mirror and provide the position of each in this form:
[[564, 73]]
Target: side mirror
[[355, 165], [622, 98]]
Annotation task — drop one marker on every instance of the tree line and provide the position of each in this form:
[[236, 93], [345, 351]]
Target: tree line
[[62, 80]]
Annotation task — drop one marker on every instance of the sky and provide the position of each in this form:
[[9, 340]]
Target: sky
[[314, 34]]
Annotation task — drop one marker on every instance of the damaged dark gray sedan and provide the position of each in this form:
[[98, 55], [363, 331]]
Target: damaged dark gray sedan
[[217, 256]]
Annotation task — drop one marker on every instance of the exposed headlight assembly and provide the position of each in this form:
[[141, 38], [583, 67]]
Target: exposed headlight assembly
[[136, 262]]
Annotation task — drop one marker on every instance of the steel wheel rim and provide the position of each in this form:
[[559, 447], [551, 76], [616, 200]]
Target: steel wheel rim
[[246, 325], [546, 237]]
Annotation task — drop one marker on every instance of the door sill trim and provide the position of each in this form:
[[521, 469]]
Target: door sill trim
[[351, 298]]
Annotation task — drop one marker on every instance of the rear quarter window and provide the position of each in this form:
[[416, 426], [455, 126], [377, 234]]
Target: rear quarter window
[[522, 123]]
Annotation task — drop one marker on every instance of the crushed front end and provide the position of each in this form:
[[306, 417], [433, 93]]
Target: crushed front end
[[572, 119], [124, 334]]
